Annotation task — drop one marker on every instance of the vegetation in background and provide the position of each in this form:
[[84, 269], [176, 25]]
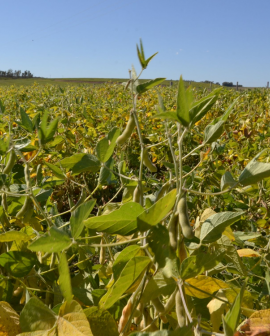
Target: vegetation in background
[[134, 209]]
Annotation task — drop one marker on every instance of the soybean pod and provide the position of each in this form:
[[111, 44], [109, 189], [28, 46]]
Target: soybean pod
[[180, 311], [128, 130], [125, 316], [148, 163], [163, 190], [173, 232], [137, 194], [170, 303], [24, 208], [160, 309], [102, 253], [11, 161], [182, 210]]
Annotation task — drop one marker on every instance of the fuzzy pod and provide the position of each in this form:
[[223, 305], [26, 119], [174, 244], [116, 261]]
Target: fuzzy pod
[[170, 303], [18, 291], [182, 250], [27, 176], [4, 202], [26, 207], [160, 309], [11, 161], [182, 210], [163, 190], [122, 170], [173, 232], [125, 316], [102, 253], [180, 311], [139, 314], [128, 130], [148, 163], [148, 320], [39, 174], [137, 194]]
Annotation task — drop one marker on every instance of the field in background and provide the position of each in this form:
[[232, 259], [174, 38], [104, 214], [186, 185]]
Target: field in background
[[65, 81]]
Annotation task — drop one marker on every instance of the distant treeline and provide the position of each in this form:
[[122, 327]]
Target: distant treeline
[[16, 74], [230, 84]]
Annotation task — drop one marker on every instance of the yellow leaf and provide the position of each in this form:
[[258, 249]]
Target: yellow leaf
[[9, 320], [248, 253], [203, 286], [228, 232], [216, 310]]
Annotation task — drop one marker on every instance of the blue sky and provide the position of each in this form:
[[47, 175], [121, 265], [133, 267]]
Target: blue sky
[[217, 40]]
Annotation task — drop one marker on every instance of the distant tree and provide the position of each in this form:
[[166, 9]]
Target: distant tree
[[17, 73], [227, 83], [217, 83], [10, 73]]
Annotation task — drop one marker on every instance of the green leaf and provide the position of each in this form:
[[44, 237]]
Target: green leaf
[[101, 322], [46, 132], [158, 285], [54, 241], [201, 107], [225, 116], [255, 171], [78, 216], [64, 277], [214, 226], [156, 212], [14, 235], [36, 316], [26, 121], [197, 264], [224, 245], [133, 269], [79, 163], [213, 132], [149, 85], [184, 101], [18, 263], [56, 170], [122, 221], [123, 258], [105, 146], [166, 115], [227, 181], [3, 147], [230, 321], [105, 175]]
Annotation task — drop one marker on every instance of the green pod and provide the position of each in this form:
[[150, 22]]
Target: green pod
[[102, 253], [173, 232], [163, 190], [39, 174], [170, 303], [137, 194], [4, 202], [11, 161], [182, 210], [127, 132], [160, 309], [24, 208], [27, 176], [148, 163], [180, 311], [122, 171]]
